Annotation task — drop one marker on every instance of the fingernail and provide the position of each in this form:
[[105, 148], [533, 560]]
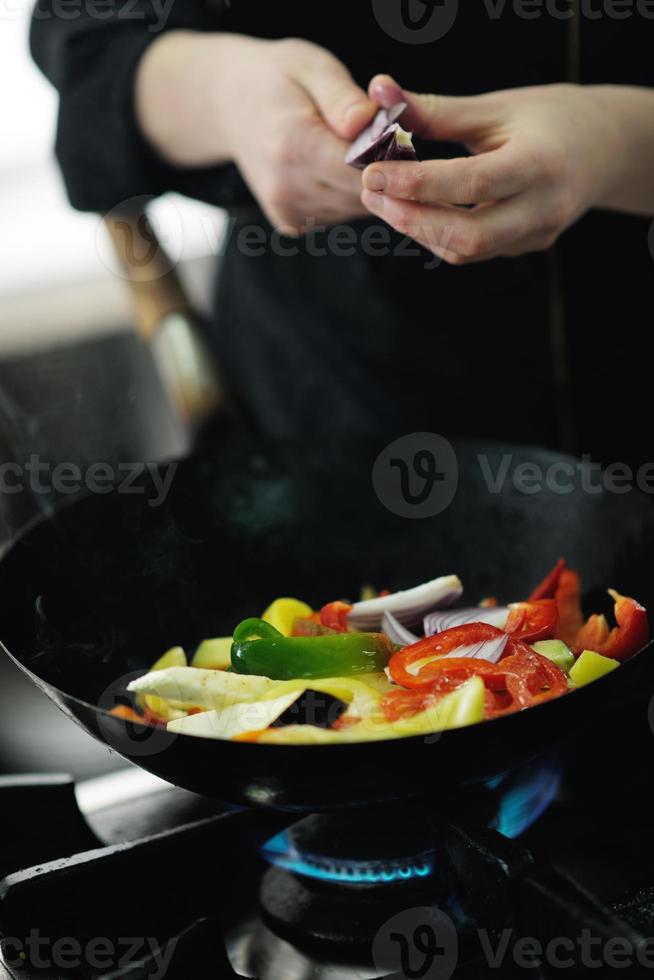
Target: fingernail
[[384, 86], [374, 202], [374, 180]]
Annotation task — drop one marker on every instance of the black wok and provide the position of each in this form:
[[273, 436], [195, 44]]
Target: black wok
[[103, 588]]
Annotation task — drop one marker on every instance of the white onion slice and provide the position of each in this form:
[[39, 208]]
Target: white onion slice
[[398, 633], [437, 622], [408, 606]]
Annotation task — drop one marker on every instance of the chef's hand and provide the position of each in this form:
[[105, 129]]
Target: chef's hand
[[284, 111], [541, 157]]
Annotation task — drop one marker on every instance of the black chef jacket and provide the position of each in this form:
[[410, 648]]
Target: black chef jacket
[[546, 348]]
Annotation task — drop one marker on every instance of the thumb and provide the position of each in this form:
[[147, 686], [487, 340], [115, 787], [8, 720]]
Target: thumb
[[344, 106], [437, 117]]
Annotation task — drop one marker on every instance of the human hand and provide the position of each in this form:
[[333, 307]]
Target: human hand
[[541, 156], [284, 111]]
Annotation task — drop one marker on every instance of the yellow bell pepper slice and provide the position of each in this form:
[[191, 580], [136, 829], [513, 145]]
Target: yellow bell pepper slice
[[282, 613]]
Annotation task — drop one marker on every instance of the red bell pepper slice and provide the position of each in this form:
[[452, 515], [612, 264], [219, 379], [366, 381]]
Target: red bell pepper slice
[[568, 603], [311, 626], [335, 616], [436, 647], [547, 588], [628, 637], [528, 679], [521, 680], [533, 620]]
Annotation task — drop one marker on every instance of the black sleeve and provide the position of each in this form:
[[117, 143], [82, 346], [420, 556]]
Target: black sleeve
[[90, 54]]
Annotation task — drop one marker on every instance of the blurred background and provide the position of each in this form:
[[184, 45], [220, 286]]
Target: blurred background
[[76, 383]]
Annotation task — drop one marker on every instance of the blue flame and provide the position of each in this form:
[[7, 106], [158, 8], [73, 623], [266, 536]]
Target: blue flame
[[522, 803], [280, 851]]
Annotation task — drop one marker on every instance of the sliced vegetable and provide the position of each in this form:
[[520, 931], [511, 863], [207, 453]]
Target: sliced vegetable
[[214, 654], [311, 627], [332, 668], [547, 588], [157, 709], [628, 637], [383, 139], [235, 719], [203, 688], [457, 710], [411, 667], [521, 680], [129, 714], [335, 616], [282, 614], [568, 604], [408, 606], [175, 657], [362, 699], [489, 650], [590, 666], [533, 620], [260, 649], [556, 651], [438, 622], [398, 633]]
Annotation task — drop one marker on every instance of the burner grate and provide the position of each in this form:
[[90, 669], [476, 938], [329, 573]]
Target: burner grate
[[189, 889]]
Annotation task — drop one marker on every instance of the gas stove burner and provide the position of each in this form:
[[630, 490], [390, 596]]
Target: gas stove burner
[[368, 848], [282, 852], [335, 878]]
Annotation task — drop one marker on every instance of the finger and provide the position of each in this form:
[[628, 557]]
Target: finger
[[489, 176], [385, 91], [333, 205], [437, 117], [468, 233], [324, 155], [343, 105]]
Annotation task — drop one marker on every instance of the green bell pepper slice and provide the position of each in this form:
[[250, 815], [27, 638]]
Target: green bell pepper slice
[[258, 648]]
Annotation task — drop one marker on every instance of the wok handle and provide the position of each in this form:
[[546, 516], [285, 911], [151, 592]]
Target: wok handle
[[155, 287], [165, 319]]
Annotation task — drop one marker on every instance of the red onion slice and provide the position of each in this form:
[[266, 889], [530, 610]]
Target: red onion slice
[[398, 633], [408, 606], [384, 139], [490, 650], [437, 622]]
